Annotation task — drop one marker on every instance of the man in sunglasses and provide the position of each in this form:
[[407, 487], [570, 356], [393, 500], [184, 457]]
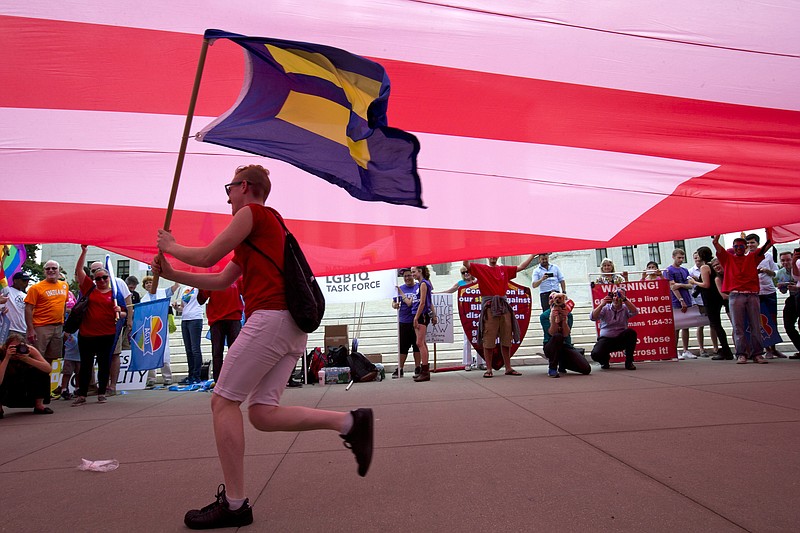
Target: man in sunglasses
[[741, 283], [45, 305]]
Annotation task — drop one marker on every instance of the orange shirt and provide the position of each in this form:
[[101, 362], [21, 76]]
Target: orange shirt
[[49, 301]]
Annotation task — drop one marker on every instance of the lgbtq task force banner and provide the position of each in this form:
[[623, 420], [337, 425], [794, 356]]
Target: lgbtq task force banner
[[149, 335], [654, 324], [359, 287]]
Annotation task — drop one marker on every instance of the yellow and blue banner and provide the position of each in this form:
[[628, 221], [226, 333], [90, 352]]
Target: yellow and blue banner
[[150, 336], [323, 110]]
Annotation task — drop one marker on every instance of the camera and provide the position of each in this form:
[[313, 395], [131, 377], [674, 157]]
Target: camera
[[549, 275], [616, 294], [22, 349]]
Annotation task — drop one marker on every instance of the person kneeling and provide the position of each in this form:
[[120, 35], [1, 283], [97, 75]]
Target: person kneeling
[[24, 376], [557, 323], [613, 312]]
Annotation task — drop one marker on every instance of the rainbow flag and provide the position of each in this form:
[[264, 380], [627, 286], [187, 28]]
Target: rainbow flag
[[13, 257], [150, 335]]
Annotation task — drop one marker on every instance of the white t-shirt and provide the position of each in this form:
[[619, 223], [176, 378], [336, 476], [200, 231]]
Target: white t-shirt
[[695, 273], [191, 309], [766, 285], [16, 309]]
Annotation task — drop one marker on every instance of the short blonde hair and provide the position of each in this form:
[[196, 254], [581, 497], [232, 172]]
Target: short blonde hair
[[257, 176]]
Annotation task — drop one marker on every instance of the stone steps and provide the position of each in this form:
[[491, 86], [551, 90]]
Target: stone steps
[[378, 335]]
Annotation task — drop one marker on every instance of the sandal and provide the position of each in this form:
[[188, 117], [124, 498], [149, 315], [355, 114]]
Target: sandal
[[512, 373], [488, 374]]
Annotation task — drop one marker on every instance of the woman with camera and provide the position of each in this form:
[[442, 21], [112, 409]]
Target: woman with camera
[[24, 376], [97, 331]]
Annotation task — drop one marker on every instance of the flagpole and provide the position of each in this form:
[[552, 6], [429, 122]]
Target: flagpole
[[182, 152]]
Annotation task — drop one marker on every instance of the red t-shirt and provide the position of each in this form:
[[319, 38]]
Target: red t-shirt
[[741, 272], [262, 283], [224, 304], [100, 318], [493, 281]]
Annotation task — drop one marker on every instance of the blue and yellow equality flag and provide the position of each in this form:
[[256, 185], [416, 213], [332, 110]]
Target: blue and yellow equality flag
[[323, 110], [150, 335]]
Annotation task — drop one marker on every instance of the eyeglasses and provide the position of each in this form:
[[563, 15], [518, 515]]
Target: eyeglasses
[[739, 246], [464, 273], [229, 186], [103, 278]]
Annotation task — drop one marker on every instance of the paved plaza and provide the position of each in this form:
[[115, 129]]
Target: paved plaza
[[674, 446]]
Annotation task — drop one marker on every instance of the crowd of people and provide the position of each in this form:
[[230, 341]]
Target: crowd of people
[[36, 316], [697, 295]]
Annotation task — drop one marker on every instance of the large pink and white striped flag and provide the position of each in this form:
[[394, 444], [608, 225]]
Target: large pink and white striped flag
[[543, 126]]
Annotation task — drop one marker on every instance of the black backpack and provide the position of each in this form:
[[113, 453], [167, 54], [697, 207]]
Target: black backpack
[[303, 296], [75, 317], [337, 356], [361, 368]]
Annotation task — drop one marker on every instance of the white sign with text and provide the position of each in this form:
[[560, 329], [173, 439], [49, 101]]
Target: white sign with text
[[359, 287], [442, 331]]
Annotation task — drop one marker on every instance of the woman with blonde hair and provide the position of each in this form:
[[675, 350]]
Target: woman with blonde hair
[[609, 275]]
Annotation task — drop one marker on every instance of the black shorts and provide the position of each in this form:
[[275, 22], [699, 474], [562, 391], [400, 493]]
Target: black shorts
[[424, 319], [408, 337]]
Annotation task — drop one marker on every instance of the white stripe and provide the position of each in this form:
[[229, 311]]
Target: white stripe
[[68, 153], [495, 38]]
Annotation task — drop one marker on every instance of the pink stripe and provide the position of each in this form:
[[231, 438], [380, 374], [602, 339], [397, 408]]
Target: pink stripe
[[452, 169], [676, 45]]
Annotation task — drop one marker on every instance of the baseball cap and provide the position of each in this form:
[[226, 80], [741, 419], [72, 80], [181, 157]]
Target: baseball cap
[[21, 275]]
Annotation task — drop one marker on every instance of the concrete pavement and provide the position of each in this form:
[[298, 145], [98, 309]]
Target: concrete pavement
[[674, 446]]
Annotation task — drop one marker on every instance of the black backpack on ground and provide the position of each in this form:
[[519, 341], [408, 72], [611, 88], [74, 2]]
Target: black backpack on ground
[[303, 296], [337, 356], [361, 368]]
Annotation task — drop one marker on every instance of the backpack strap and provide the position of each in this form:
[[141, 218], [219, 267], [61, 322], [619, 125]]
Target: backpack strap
[[257, 249]]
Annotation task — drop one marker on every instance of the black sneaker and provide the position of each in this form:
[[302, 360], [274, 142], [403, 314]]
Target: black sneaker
[[396, 375], [417, 371], [218, 514], [359, 439]]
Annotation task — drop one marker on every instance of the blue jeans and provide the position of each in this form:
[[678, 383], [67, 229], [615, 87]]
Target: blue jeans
[[743, 307], [192, 331]]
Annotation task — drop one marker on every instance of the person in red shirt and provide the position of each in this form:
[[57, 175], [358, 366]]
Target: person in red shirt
[[98, 330], [497, 318], [741, 284], [266, 351], [224, 313]]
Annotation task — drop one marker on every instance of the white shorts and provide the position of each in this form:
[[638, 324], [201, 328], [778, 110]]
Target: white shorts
[[259, 362]]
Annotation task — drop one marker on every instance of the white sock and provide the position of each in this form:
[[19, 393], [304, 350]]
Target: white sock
[[348, 424], [234, 504]]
